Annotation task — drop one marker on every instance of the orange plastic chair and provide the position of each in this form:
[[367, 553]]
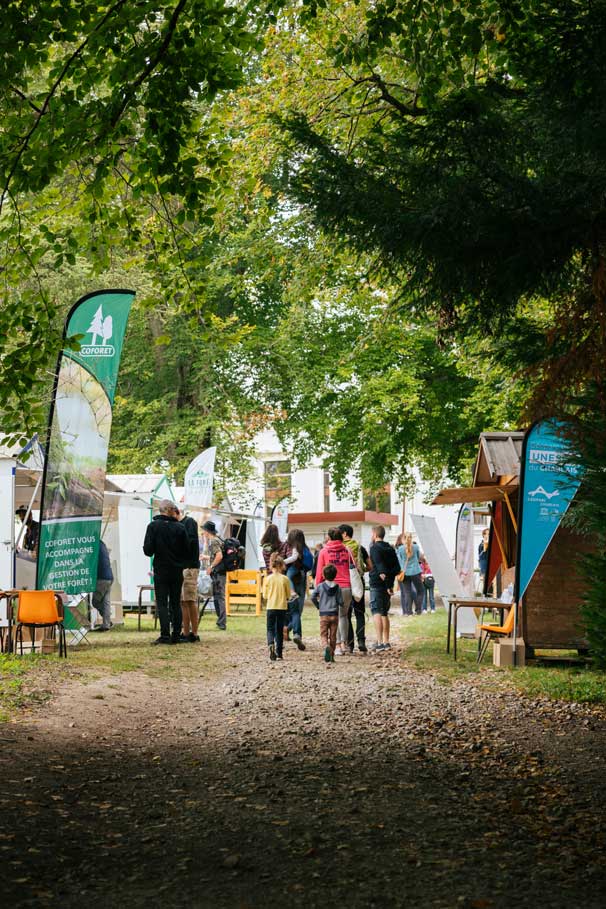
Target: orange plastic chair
[[39, 609], [495, 632]]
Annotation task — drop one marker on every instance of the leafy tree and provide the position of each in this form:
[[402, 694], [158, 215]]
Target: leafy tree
[[481, 176], [103, 109]]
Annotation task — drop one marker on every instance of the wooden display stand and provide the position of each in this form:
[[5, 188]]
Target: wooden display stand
[[243, 588]]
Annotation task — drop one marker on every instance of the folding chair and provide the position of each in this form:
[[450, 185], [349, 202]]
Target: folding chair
[[496, 632], [39, 609]]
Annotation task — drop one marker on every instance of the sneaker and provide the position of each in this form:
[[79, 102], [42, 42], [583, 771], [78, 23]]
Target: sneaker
[[351, 649], [183, 638], [293, 598], [221, 627], [362, 648], [99, 628], [279, 656], [327, 655], [272, 652], [433, 611], [340, 652], [161, 640], [299, 642], [424, 612], [177, 640], [386, 646], [193, 638]]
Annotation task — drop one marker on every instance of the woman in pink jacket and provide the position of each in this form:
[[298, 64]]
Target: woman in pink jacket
[[335, 553]]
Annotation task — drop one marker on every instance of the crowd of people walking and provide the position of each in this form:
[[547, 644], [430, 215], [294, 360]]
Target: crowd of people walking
[[337, 568]]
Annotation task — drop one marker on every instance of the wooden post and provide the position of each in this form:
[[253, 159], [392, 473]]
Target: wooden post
[[510, 510]]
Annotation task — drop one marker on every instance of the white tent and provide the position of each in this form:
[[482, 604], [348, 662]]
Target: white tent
[[128, 509]]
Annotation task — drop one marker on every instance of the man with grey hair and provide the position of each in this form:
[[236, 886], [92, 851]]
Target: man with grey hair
[[167, 541]]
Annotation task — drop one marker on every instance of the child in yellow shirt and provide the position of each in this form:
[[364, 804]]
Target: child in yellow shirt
[[276, 591]]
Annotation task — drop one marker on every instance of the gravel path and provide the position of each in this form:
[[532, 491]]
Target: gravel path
[[361, 784]]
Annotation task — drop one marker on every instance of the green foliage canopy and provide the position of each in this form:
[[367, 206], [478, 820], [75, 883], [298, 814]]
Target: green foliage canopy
[[103, 112]]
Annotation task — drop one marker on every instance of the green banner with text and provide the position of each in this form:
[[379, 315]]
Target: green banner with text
[[78, 442]]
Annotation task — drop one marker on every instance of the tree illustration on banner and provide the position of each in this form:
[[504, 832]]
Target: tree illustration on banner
[[108, 327], [96, 326]]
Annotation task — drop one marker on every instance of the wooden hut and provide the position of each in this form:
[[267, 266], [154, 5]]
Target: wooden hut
[[549, 617]]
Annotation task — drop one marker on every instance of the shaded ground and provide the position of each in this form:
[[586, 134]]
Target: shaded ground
[[366, 783]]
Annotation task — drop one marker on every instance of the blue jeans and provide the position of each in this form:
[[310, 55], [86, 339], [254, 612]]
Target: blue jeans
[[295, 608], [275, 623], [413, 593], [291, 574]]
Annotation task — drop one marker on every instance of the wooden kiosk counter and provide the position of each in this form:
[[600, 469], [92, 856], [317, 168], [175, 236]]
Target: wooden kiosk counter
[[549, 616]]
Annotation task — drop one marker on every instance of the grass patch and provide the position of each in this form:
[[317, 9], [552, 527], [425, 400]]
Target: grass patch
[[15, 692], [424, 638], [581, 684]]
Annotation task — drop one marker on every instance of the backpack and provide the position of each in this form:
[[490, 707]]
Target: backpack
[[232, 554], [307, 559]]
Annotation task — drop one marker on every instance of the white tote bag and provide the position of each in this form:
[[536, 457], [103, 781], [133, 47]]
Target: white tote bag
[[355, 581], [205, 584]]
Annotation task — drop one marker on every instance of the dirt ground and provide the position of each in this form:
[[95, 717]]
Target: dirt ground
[[362, 784]]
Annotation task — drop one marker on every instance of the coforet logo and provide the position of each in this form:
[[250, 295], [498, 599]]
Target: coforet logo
[[100, 328]]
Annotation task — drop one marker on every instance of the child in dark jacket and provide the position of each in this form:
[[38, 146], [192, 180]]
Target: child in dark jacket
[[327, 597]]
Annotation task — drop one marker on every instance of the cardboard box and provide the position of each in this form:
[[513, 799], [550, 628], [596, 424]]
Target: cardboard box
[[502, 654]]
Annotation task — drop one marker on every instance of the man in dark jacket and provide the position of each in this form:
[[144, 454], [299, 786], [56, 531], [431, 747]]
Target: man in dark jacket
[[101, 595], [167, 541], [385, 567]]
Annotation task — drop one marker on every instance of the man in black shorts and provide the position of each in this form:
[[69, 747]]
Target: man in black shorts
[[385, 567]]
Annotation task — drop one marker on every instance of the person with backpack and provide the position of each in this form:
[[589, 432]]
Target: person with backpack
[[385, 568], [221, 561], [298, 560]]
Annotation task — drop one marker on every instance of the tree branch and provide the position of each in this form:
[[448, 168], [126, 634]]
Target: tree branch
[[50, 96], [172, 25], [24, 97]]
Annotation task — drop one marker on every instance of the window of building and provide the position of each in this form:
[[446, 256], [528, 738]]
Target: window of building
[[378, 501], [278, 482]]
